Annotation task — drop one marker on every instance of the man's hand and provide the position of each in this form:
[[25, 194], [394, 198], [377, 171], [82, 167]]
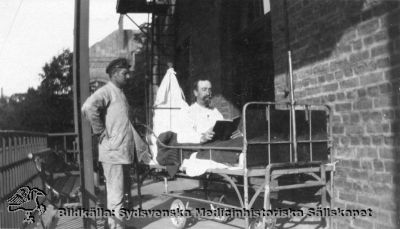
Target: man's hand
[[102, 136], [236, 134], [207, 136]]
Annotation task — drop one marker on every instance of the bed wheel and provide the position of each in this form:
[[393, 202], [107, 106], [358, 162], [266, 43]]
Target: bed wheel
[[178, 221], [258, 223], [222, 218]]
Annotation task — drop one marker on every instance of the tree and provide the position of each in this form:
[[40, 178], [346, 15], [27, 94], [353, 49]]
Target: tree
[[49, 108], [56, 94], [57, 75]]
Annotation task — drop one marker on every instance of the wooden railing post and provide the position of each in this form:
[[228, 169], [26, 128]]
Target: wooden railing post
[[81, 93]]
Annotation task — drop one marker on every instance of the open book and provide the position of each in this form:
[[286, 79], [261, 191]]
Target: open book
[[223, 129]]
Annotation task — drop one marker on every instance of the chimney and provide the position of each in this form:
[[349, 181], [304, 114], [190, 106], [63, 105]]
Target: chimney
[[121, 32], [121, 22]]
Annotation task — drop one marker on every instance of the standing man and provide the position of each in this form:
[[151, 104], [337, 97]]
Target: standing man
[[202, 117], [108, 113]]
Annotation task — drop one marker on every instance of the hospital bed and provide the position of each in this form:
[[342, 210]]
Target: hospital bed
[[285, 149]]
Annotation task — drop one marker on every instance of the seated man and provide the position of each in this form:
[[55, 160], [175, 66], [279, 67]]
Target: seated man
[[196, 126], [200, 117], [200, 120]]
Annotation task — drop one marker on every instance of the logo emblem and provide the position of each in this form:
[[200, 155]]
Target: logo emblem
[[27, 199]]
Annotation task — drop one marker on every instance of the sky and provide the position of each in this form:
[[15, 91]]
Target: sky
[[33, 31]]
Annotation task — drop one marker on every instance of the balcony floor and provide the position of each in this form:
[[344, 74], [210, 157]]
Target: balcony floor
[[152, 199]]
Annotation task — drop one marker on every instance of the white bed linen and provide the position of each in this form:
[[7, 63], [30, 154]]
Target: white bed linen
[[196, 167]]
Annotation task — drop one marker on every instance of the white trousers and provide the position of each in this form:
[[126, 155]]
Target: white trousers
[[115, 192]]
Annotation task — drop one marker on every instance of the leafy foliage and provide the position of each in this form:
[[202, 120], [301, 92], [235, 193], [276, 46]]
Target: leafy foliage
[[49, 108], [57, 75]]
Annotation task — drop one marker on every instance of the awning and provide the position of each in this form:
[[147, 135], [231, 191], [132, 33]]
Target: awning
[[141, 6]]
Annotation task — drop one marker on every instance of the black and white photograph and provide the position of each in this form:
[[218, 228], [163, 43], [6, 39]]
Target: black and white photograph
[[255, 114]]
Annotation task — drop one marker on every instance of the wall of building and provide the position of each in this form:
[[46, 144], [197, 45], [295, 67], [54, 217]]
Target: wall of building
[[347, 54], [253, 62], [217, 39], [198, 24], [119, 43]]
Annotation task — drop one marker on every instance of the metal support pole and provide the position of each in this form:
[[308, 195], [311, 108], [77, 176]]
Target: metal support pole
[[81, 92], [138, 26], [65, 143], [267, 193], [292, 108], [165, 185], [245, 170], [152, 84], [139, 181], [147, 83], [324, 200]]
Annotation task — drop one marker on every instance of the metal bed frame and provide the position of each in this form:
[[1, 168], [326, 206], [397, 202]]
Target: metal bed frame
[[321, 172]]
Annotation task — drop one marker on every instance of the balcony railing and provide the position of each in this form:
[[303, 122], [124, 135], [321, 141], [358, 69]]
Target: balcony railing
[[17, 170], [65, 143]]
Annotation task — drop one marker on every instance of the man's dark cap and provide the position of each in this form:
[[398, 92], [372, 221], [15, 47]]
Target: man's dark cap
[[117, 63]]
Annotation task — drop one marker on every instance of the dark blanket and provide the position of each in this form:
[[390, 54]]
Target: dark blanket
[[168, 157], [222, 156]]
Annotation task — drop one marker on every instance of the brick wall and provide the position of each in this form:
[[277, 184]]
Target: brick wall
[[347, 54]]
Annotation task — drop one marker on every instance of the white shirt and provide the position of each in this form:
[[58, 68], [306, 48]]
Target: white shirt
[[196, 120]]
